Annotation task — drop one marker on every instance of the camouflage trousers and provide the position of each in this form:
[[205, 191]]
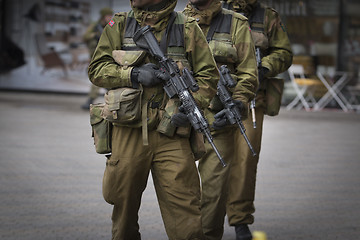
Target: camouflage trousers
[[242, 176], [175, 178], [214, 182]]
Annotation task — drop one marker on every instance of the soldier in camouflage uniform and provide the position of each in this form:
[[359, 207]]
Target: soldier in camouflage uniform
[[168, 157], [230, 40], [270, 37], [91, 38]]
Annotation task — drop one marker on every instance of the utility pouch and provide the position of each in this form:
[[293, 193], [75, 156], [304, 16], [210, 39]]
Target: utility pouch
[[101, 129], [165, 127], [223, 51], [128, 58], [123, 106], [274, 91]]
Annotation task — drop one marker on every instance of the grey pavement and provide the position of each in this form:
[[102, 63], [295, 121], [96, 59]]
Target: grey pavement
[[50, 176]]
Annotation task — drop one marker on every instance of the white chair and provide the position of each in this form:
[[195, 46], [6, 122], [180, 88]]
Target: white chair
[[304, 88], [334, 83]]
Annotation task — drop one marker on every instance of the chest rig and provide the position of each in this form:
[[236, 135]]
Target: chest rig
[[172, 42], [220, 40], [257, 25]]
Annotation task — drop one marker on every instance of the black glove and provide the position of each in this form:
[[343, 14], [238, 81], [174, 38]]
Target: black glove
[[180, 119], [262, 72], [243, 109], [221, 119], [148, 75]]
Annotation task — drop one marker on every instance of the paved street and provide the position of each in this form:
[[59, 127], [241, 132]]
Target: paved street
[[50, 176]]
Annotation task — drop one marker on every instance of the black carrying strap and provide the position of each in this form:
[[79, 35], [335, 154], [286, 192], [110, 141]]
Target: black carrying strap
[[132, 26], [165, 38], [257, 16], [227, 5], [213, 26], [221, 23]]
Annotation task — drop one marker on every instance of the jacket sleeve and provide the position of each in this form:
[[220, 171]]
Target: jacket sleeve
[[202, 62], [279, 56], [246, 69], [103, 71]]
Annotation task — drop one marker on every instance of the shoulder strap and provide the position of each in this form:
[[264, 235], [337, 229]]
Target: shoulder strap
[[256, 20], [221, 23], [227, 5], [173, 35], [165, 38]]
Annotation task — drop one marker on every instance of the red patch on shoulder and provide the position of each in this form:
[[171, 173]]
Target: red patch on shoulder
[[111, 23]]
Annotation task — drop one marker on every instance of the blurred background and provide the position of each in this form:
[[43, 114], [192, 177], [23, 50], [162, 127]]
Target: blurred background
[[50, 175], [42, 46]]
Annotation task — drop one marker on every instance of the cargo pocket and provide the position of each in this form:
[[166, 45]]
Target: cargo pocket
[[101, 129], [110, 180]]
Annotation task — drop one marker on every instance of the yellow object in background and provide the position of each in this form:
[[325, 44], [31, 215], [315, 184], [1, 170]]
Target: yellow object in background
[[258, 235]]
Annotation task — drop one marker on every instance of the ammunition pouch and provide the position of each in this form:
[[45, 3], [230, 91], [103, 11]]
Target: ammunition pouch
[[101, 129], [122, 106]]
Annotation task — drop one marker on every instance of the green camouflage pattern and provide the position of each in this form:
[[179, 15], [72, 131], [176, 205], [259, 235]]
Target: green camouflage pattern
[[273, 42], [105, 72], [236, 50], [101, 129], [276, 49]]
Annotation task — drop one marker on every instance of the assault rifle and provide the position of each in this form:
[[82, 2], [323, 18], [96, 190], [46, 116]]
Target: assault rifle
[[230, 110], [177, 85]]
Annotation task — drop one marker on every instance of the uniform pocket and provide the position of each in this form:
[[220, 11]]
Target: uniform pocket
[[101, 129]]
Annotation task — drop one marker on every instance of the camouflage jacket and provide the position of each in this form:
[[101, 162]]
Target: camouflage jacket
[[234, 49], [270, 36], [105, 72]]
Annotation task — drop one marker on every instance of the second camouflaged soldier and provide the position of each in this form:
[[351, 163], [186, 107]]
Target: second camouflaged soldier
[[230, 40], [141, 145], [270, 37], [91, 38]]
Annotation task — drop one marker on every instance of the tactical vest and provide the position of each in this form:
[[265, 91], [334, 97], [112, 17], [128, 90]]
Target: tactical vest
[[256, 22], [172, 43], [220, 40]]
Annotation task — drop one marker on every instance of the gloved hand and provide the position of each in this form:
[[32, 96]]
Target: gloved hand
[[262, 72], [148, 75], [243, 109], [221, 119], [180, 119]]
